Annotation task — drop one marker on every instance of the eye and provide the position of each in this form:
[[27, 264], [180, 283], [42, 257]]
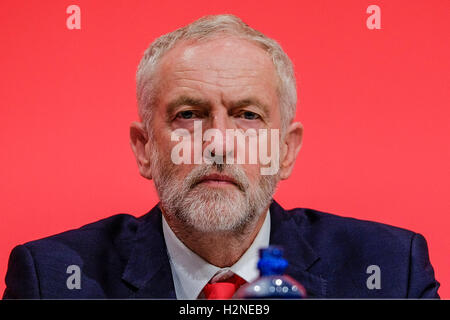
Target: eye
[[188, 114], [248, 115]]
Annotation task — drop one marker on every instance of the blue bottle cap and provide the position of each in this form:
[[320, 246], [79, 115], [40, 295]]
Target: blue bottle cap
[[271, 261]]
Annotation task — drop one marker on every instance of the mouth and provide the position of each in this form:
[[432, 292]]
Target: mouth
[[218, 180]]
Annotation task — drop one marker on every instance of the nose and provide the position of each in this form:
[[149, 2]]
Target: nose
[[218, 147]]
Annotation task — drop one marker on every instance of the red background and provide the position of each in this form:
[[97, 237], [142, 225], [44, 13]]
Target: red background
[[374, 104]]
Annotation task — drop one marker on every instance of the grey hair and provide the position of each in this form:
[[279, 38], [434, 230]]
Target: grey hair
[[206, 28]]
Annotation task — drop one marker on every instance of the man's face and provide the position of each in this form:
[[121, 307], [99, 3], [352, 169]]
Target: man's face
[[225, 83]]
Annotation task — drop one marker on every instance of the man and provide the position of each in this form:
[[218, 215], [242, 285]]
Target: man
[[200, 89]]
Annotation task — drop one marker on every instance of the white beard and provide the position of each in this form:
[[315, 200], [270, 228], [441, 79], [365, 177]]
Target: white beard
[[208, 209]]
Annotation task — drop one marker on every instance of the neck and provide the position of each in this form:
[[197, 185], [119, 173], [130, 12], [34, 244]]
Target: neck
[[222, 249]]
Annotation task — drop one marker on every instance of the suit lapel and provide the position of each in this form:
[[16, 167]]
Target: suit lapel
[[286, 231], [148, 269]]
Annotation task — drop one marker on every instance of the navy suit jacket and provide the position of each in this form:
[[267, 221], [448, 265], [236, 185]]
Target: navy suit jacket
[[126, 257]]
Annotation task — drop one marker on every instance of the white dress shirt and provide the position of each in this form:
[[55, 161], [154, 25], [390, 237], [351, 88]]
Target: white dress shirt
[[191, 272]]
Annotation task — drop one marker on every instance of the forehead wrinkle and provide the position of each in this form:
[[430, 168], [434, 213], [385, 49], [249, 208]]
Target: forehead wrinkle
[[188, 55], [186, 59], [190, 74]]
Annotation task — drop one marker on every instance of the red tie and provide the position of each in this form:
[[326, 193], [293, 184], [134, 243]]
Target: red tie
[[223, 289]]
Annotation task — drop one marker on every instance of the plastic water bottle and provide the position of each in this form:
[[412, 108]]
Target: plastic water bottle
[[272, 283]]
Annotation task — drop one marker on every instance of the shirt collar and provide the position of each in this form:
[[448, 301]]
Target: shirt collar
[[191, 272]]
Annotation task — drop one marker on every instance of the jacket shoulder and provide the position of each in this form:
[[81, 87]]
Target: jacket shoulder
[[108, 237], [105, 229], [351, 249], [344, 228], [90, 248]]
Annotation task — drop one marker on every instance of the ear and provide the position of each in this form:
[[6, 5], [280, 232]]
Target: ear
[[138, 141], [291, 146]]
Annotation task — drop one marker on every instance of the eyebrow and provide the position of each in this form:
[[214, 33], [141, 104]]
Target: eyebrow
[[188, 101], [198, 102]]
